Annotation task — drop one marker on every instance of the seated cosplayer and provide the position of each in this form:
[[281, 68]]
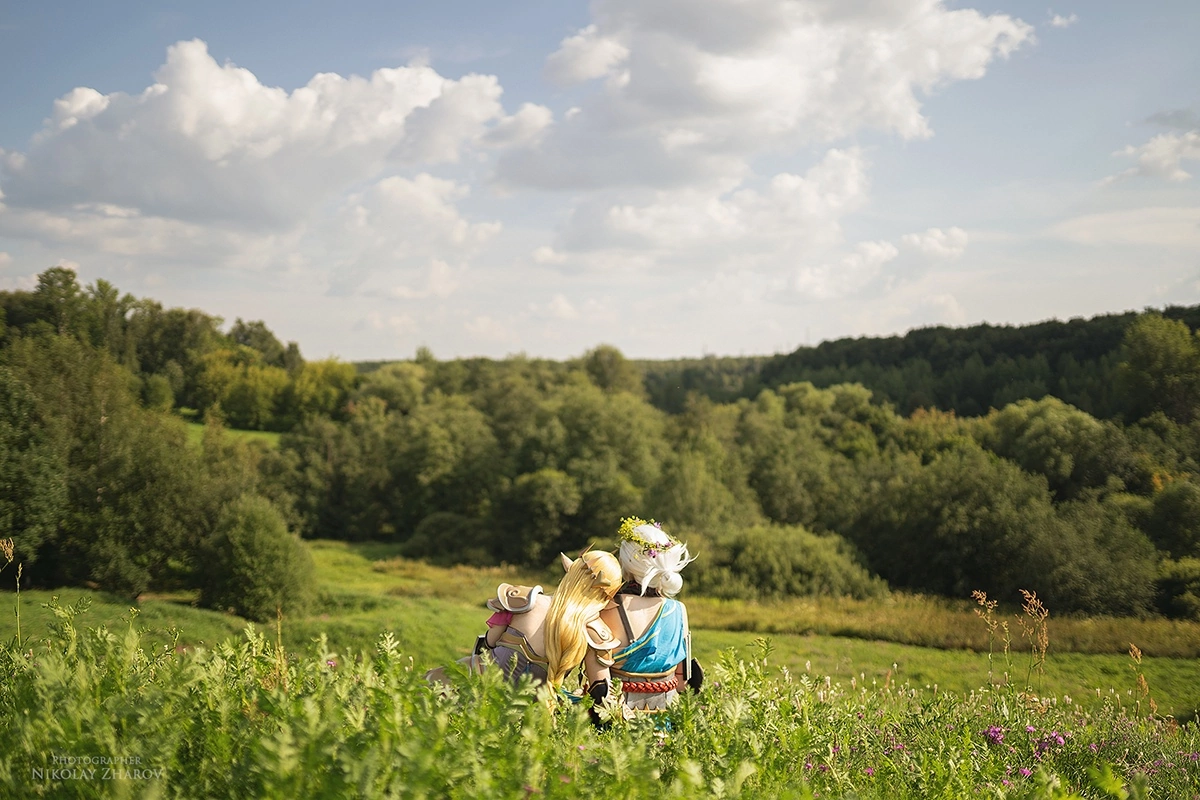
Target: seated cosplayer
[[546, 636], [652, 655]]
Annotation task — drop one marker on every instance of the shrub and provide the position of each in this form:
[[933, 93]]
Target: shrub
[[448, 538], [1179, 588], [777, 561], [252, 565]]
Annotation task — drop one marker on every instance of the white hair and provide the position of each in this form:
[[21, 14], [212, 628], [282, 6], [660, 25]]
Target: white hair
[[655, 569]]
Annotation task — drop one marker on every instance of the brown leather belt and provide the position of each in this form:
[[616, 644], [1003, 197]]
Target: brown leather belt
[[649, 687]]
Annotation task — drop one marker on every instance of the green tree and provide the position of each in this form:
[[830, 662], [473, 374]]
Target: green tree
[[33, 470], [1174, 521], [59, 300], [257, 336], [1072, 449], [252, 565], [1162, 369], [401, 385], [608, 368], [533, 514]]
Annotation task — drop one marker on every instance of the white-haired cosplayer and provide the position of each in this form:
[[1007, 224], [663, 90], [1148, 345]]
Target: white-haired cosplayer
[[652, 657]]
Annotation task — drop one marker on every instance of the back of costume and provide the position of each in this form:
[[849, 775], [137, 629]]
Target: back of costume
[[512, 652], [647, 665]]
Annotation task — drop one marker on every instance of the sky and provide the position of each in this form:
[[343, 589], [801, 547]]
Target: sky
[[677, 178]]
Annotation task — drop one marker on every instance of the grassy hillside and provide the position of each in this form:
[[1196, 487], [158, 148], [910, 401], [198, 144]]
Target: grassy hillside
[[435, 613]]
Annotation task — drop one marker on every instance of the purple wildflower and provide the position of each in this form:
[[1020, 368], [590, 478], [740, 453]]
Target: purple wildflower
[[994, 734], [1025, 772]]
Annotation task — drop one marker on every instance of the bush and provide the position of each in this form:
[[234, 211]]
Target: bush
[[769, 562], [1179, 588], [448, 538], [252, 565]]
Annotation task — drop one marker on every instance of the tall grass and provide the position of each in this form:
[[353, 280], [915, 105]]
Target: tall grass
[[247, 719]]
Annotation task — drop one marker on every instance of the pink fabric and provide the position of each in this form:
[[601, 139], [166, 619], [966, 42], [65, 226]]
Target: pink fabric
[[500, 619]]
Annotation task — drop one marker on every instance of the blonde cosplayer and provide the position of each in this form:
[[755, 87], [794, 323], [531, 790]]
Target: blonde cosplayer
[[589, 585], [546, 636]]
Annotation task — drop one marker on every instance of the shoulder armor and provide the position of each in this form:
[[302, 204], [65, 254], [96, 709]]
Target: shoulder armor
[[599, 636], [517, 599]]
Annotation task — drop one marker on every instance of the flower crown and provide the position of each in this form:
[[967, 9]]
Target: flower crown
[[627, 533]]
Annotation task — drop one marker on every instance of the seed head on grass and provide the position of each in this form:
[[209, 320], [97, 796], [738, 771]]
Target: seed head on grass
[[6, 548]]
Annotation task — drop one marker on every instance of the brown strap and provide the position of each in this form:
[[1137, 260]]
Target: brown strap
[[625, 621]]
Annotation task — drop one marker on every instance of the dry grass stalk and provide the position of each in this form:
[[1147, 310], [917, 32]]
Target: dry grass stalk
[[1143, 687], [1035, 631]]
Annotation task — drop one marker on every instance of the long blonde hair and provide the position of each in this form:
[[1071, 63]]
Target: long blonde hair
[[589, 585]]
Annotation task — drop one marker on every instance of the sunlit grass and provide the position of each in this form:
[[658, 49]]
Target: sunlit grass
[[436, 612], [196, 434]]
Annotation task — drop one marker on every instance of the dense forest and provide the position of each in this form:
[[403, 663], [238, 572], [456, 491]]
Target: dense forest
[[1059, 457]]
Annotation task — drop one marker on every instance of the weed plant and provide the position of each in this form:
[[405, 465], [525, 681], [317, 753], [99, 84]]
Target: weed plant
[[248, 719]]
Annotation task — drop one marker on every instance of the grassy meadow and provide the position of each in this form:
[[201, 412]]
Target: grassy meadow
[[927, 643], [336, 706]]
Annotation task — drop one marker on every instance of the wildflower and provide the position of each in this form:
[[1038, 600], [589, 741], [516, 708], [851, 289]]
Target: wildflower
[[1025, 772], [331, 663], [1030, 729], [994, 734], [870, 771]]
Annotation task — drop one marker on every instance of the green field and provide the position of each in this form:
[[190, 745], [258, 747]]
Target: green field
[[196, 434], [436, 612]]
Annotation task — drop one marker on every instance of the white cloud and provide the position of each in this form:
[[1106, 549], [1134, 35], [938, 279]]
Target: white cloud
[[791, 210], [950, 243], [847, 275], [5, 259], [694, 90], [1152, 227], [1161, 157], [584, 56], [1059, 21], [208, 142], [19, 283], [522, 128], [399, 229], [548, 255]]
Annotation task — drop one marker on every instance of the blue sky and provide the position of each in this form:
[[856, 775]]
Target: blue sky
[[674, 178]]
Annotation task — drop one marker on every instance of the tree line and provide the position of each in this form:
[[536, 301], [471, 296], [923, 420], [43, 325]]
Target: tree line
[[797, 490]]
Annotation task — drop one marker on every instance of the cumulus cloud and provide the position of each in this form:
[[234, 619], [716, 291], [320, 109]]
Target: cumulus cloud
[[208, 142], [849, 274], [209, 166], [693, 90], [522, 128], [397, 230], [789, 210], [1161, 157], [936, 243], [584, 56], [1059, 21]]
